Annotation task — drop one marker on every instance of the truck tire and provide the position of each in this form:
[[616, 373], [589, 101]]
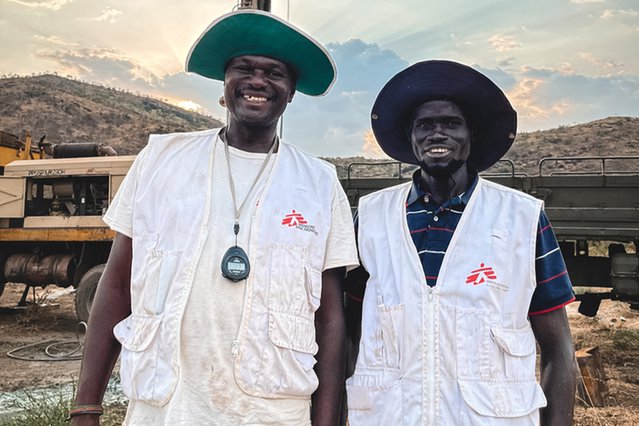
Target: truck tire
[[86, 291], [3, 280]]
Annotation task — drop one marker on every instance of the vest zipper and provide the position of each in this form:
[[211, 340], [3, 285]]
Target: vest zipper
[[431, 350], [235, 348]]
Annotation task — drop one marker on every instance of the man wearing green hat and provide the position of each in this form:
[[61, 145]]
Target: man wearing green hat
[[461, 275], [223, 290]]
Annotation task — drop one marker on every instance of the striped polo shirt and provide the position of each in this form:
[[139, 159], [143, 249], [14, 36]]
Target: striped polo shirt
[[432, 226]]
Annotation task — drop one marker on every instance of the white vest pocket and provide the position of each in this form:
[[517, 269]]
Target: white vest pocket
[[473, 345], [292, 332], [290, 355], [516, 354], [494, 403], [151, 284], [147, 373], [287, 286], [375, 398], [391, 320]]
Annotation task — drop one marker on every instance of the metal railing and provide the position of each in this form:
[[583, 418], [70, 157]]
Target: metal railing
[[378, 163], [510, 164], [601, 160]]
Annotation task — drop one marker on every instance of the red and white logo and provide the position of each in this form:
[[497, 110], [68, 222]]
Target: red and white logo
[[297, 221], [480, 275], [294, 219]]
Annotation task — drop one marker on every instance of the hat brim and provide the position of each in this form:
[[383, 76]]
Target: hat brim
[[492, 118], [254, 32]]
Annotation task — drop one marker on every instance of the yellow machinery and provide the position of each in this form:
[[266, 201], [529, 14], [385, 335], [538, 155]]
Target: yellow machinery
[[13, 148], [51, 228]]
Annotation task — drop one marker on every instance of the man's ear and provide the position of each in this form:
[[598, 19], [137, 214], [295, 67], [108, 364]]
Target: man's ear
[[290, 97]]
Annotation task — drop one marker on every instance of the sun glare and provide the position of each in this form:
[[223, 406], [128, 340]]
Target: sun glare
[[189, 106]]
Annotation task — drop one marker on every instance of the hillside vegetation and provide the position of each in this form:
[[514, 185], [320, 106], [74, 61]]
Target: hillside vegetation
[[612, 136], [71, 111]]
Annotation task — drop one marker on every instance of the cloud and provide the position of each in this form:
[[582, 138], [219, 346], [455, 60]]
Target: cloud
[[115, 69], [48, 4], [547, 98], [339, 124], [101, 64], [506, 62], [586, 1], [371, 148], [501, 78], [108, 15], [336, 124], [523, 97], [611, 13], [54, 40], [607, 65], [504, 43], [566, 68]]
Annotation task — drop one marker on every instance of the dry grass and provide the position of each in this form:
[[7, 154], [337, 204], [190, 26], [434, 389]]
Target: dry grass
[[72, 111]]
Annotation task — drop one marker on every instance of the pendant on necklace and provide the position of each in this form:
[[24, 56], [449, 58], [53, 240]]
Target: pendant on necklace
[[235, 264]]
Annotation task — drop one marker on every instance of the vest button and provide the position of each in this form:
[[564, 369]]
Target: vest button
[[435, 219]]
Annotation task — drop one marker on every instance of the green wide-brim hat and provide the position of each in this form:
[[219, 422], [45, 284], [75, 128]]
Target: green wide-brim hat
[[254, 32]]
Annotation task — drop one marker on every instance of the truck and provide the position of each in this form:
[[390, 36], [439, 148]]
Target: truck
[[592, 203], [51, 228], [52, 233]]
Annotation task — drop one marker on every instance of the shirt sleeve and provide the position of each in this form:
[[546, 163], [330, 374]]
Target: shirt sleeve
[[341, 250], [119, 215], [554, 289]]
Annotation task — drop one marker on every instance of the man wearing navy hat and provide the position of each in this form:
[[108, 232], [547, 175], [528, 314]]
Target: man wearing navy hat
[[223, 291], [460, 275]]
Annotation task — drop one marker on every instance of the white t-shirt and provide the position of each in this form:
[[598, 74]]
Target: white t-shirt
[[207, 393]]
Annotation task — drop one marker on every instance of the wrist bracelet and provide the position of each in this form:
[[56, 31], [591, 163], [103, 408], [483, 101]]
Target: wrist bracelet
[[81, 410]]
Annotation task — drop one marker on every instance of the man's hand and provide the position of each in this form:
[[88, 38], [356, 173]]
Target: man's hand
[[558, 367]]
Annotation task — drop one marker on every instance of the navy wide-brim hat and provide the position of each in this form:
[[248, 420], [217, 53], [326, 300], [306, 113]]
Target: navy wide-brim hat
[[491, 118], [255, 32]]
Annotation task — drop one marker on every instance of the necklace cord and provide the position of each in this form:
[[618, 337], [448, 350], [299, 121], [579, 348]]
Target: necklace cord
[[238, 210]]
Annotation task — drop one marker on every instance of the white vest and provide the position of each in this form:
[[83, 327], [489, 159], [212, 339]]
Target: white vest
[[276, 345], [459, 353]]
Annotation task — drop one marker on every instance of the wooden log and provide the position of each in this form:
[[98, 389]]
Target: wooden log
[[592, 388]]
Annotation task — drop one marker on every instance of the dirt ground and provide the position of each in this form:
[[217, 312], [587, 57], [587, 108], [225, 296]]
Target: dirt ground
[[615, 330]]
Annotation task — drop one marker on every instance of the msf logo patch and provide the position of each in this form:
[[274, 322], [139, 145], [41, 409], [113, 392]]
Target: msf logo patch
[[297, 221], [294, 219], [480, 275]]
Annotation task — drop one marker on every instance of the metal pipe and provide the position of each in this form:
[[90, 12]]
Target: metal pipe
[[32, 270], [264, 5]]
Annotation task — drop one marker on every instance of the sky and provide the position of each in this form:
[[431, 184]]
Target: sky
[[560, 62]]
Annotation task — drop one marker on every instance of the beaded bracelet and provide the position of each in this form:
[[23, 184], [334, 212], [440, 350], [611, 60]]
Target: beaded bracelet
[[80, 410]]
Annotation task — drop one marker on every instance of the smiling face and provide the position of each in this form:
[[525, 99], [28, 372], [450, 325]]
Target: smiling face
[[440, 138], [257, 89]]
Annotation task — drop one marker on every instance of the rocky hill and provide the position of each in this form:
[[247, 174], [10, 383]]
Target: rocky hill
[[71, 111], [612, 136]]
